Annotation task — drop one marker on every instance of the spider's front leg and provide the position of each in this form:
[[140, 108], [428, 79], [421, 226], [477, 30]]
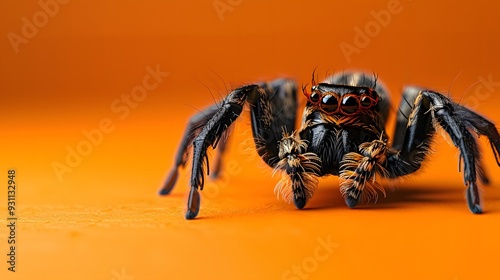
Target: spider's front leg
[[193, 128], [431, 110], [300, 170], [358, 170], [272, 108], [209, 135]]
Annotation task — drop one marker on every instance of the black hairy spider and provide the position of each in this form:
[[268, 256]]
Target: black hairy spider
[[342, 133]]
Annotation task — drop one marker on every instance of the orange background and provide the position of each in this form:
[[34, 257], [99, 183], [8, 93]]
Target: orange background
[[105, 216]]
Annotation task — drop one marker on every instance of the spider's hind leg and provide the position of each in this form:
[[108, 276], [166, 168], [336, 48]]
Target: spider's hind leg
[[193, 129], [481, 126], [407, 105], [405, 108], [431, 109]]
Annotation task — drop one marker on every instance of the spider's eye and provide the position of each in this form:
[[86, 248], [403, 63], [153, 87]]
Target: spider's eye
[[314, 97], [329, 103], [366, 101], [350, 104]]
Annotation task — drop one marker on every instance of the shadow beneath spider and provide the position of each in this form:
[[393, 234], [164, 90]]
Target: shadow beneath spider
[[396, 197]]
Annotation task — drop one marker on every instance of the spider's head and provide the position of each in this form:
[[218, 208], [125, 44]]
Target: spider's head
[[342, 100]]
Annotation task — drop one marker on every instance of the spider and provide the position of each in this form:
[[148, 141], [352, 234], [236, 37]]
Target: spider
[[341, 133]]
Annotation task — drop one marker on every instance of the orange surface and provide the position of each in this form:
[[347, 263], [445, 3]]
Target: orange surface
[[103, 220]]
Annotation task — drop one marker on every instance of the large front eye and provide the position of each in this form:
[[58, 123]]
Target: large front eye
[[329, 103], [350, 104], [314, 97], [366, 101]]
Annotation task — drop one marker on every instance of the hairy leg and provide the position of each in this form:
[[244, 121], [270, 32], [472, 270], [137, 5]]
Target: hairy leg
[[300, 169], [193, 129], [273, 110], [433, 110], [358, 171]]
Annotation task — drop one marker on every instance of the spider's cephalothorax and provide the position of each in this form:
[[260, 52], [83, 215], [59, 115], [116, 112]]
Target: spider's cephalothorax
[[342, 133]]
